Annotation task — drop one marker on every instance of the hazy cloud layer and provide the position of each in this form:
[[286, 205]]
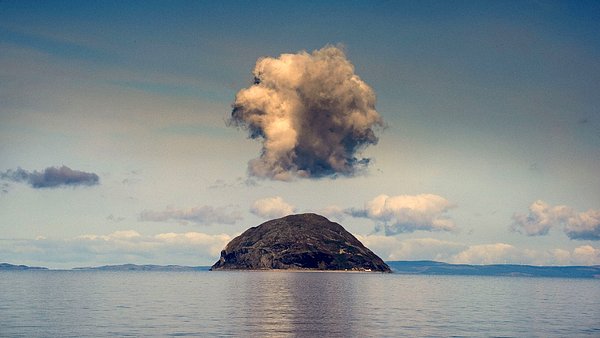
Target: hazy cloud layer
[[502, 253], [495, 253], [127, 246], [204, 215], [195, 248], [407, 213], [542, 217], [51, 177], [312, 114], [272, 207], [395, 248]]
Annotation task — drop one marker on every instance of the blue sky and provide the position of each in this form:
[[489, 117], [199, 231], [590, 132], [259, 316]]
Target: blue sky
[[490, 154]]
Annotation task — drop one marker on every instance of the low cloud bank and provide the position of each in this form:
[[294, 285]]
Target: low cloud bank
[[119, 247], [394, 248], [197, 248]]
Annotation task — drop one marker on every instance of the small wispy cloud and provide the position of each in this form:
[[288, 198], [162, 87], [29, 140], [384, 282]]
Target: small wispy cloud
[[203, 215], [542, 217], [114, 218], [132, 177], [237, 183], [51, 177]]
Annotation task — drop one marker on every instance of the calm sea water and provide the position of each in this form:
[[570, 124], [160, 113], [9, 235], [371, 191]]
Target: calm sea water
[[311, 304]]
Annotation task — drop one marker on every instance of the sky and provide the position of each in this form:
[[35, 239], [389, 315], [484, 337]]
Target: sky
[[153, 132]]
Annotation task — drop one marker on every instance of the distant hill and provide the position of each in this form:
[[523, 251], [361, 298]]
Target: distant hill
[[6, 266], [438, 268], [147, 267]]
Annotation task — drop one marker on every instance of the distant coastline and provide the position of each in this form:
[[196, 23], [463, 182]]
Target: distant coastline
[[508, 270], [398, 267], [6, 266], [145, 267]]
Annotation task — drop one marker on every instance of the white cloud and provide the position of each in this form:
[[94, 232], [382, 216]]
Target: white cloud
[[272, 207], [408, 213], [542, 217], [584, 225], [198, 215]]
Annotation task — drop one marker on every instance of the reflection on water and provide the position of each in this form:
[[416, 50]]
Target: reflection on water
[[305, 304]]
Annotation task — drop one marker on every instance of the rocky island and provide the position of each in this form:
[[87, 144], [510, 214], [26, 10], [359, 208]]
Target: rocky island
[[298, 242]]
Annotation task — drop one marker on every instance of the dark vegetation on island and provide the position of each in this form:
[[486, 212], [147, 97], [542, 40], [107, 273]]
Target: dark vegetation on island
[[298, 242]]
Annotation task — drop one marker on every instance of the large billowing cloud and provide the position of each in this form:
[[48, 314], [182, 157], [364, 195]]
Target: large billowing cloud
[[312, 114], [408, 213], [272, 207], [51, 177], [204, 215], [542, 217]]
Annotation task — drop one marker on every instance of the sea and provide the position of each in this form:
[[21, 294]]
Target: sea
[[298, 304]]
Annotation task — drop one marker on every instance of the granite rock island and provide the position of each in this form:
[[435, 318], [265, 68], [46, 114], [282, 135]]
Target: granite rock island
[[298, 242]]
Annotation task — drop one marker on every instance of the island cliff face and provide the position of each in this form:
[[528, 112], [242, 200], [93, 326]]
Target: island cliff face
[[298, 242]]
